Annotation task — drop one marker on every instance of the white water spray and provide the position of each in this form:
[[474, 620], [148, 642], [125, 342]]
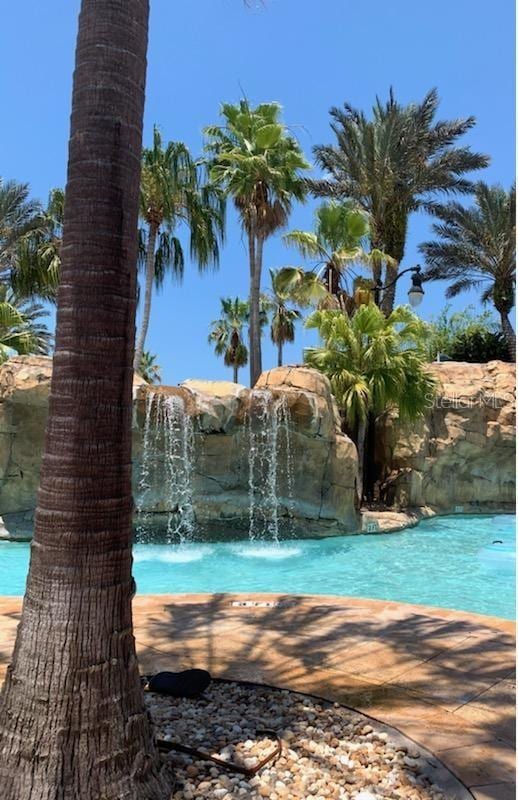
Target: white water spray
[[270, 464], [167, 461]]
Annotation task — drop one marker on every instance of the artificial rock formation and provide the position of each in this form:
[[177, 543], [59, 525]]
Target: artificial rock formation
[[461, 456], [323, 459]]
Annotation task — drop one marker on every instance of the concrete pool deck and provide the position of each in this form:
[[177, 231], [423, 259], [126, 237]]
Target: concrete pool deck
[[444, 678]]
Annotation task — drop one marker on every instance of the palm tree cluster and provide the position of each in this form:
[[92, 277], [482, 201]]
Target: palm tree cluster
[[382, 168], [75, 637], [291, 288]]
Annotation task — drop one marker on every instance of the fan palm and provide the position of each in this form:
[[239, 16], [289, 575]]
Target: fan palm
[[37, 259], [373, 362], [476, 248], [173, 191], [21, 328], [340, 230], [149, 369], [303, 287], [19, 216], [259, 165], [394, 164], [227, 334]]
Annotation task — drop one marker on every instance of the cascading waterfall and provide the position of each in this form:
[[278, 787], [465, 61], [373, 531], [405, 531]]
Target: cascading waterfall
[[167, 461], [270, 465], [168, 465]]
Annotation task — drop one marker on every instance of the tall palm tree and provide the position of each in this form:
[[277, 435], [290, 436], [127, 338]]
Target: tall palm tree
[[284, 317], [476, 248], [227, 334], [37, 258], [393, 164], [173, 191], [21, 328], [19, 216], [257, 163], [72, 719], [373, 362], [337, 245]]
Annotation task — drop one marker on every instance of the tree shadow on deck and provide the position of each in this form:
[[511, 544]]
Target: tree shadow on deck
[[389, 661]]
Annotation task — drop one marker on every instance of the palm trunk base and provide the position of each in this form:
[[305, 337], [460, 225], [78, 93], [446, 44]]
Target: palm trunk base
[[83, 731], [362, 428]]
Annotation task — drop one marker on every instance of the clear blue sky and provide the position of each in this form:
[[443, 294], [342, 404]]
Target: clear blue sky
[[309, 56]]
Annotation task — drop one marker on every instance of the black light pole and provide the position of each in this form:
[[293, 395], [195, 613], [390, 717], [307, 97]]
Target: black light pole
[[416, 291]]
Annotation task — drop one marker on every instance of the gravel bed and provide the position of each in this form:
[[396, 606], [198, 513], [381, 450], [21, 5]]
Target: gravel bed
[[328, 751]]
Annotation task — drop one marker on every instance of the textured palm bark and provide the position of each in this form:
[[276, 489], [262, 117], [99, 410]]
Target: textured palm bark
[[389, 295], [256, 257], [148, 291], [73, 724], [360, 446], [509, 334], [394, 246]]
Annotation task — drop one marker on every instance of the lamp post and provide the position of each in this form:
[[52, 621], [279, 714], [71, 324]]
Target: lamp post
[[415, 293]]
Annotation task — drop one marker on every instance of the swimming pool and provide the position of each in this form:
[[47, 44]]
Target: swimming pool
[[449, 562]]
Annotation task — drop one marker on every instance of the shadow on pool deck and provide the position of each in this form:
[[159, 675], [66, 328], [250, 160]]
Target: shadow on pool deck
[[444, 678]]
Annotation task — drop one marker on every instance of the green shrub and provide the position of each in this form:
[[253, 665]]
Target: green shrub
[[466, 336]]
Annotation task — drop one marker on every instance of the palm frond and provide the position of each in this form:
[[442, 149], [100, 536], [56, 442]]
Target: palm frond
[[476, 246], [393, 163], [373, 362]]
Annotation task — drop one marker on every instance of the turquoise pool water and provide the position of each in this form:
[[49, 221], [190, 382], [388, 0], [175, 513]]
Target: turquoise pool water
[[447, 561]]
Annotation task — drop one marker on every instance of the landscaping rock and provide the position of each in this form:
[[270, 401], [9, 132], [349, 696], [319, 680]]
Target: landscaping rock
[[315, 765]]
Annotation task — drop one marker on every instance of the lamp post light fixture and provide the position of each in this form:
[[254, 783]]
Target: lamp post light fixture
[[415, 293]]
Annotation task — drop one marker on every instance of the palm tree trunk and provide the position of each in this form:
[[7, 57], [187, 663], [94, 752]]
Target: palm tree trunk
[[72, 720], [369, 467], [148, 292], [389, 295], [236, 373], [376, 244], [509, 334], [394, 246], [256, 256], [360, 446], [279, 354]]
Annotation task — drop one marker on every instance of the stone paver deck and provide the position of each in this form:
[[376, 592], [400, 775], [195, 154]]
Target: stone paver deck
[[444, 678]]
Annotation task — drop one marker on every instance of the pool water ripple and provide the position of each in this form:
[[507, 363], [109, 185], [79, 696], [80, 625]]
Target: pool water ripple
[[450, 562]]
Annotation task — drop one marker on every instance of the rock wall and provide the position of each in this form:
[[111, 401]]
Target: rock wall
[[324, 460], [461, 456]]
